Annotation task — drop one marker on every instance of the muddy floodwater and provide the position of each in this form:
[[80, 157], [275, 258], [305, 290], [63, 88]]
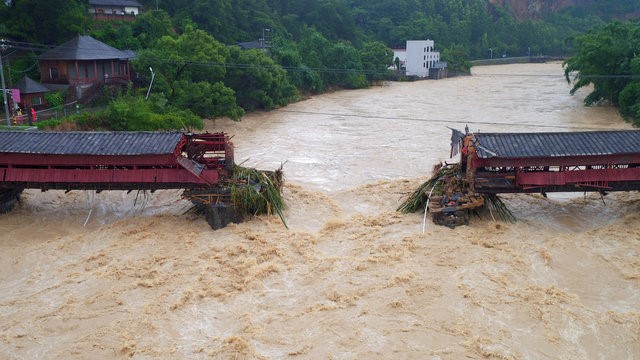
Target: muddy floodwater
[[117, 275]]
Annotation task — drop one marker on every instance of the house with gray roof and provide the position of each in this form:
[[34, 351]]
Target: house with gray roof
[[82, 63], [31, 93], [114, 9]]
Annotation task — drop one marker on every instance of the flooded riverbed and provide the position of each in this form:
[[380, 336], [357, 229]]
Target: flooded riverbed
[[86, 275]]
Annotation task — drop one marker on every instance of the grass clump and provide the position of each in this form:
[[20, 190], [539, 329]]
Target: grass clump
[[258, 192]]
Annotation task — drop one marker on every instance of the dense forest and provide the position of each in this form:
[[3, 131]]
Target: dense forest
[[313, 45]]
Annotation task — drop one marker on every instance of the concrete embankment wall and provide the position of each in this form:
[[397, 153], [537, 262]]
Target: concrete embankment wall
[[515, 60]]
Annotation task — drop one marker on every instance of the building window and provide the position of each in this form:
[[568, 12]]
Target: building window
[[53, 73], [36, 100]]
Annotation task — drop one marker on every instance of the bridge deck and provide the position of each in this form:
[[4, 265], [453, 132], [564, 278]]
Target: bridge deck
[[112, 160], [569, 161]]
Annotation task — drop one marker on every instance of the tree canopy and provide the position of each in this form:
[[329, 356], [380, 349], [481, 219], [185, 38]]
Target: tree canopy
[[608, 58], [189, 70]]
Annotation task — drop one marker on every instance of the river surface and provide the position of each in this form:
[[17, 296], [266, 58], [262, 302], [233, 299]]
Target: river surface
[[116, 275]]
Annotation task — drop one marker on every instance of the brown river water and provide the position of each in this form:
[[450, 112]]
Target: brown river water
[[116, 275]]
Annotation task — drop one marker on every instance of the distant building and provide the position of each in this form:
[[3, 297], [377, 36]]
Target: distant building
[[114, 9], [82, 63], [420, 57], [31, 93]]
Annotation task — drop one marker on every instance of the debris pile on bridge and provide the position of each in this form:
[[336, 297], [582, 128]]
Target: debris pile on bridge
[[447, 198], [248, 192], [497, 163]]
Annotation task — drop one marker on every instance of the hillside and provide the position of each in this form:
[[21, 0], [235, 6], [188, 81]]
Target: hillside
[[541, 9]]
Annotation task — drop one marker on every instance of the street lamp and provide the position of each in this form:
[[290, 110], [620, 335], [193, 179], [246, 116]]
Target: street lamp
[[153, 75]]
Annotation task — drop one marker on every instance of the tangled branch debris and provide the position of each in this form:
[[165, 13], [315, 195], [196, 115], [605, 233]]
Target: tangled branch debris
[[258, 192]]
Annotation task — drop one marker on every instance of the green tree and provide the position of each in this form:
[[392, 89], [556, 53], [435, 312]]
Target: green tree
[[286, 53], [134, 113], [457, 58], [183, 65], [604, 59], [120, 36], [259, 82], [344, 66], [151, 26], [376, 60], [312, 48], [608, 59], [207, 99], [630, 95], [47, 22]]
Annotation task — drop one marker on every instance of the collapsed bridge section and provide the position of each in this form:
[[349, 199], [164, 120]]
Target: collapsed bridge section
[[201, 163], [496, 163], [112, 160], [552, 162]]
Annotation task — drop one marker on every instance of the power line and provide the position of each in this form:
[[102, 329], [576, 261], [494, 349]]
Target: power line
[[366, 71], [41, 47], [443, 121]]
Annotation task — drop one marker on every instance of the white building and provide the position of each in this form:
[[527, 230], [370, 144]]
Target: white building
[[420, 57]]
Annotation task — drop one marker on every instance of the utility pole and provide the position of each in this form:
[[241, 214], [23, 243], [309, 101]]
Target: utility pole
[[3, 47]]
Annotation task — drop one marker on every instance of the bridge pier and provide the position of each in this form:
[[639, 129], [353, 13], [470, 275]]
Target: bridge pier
[[220, 215], [8, 199]]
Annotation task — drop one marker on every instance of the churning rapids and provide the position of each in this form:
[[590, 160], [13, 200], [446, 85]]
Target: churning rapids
[[115, 275]]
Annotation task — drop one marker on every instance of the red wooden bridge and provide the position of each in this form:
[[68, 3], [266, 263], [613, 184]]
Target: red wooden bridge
[[494, 163], [600, 161], [198, 163]]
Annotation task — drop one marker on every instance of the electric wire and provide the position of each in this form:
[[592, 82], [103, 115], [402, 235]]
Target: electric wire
[[438, 121], [154, 61]]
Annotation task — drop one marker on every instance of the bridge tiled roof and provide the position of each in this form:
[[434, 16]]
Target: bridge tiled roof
[[89, 143], [557, 144]]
